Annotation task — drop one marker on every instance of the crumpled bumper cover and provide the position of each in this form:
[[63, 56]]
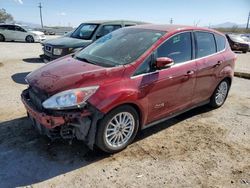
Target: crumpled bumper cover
[[49, 121]]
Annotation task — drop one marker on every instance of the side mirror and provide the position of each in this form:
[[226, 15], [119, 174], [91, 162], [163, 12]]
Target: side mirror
[[99, 35], [164, 62]]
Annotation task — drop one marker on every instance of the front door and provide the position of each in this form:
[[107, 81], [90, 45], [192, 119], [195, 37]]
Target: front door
[[170, 90]]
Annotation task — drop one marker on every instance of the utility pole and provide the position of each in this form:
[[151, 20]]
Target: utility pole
[[248, 20], [171, 21], [41, 17]]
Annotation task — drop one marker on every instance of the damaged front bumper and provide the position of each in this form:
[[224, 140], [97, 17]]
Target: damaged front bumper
[[80, 124]]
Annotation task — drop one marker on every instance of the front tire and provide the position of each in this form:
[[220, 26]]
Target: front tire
[[220, 94], [117, 129], [2, 38], [244, 52], [29, 39]]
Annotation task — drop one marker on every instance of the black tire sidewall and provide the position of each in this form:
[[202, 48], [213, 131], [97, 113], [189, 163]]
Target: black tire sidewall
[[102, 124], [212, 100], [2, 38]]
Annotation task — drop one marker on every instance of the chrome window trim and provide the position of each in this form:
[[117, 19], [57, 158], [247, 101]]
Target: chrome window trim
[[185, 62]]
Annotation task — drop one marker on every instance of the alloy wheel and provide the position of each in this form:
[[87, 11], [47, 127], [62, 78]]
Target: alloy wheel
[[221, 93], [120, 129]]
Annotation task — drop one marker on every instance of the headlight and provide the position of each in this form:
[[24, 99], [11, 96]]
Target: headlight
[[57, 51], [70, 99]]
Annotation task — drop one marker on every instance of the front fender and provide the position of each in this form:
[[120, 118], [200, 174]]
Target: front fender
[[109, 99]]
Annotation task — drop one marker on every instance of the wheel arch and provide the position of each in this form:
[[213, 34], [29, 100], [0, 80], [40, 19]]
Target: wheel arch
[[4, 38], [135, 106]]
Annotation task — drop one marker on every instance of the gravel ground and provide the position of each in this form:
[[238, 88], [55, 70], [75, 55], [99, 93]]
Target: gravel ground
[[201, 148]]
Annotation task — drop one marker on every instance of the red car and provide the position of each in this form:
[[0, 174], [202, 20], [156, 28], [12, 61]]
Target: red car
[[129, 80]]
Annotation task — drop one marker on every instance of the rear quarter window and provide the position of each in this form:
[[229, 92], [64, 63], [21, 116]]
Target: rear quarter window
[[205, 44], [220, 42]]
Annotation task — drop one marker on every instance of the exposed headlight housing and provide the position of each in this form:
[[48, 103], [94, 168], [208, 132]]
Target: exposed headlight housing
[[70, 99], [57, 51]]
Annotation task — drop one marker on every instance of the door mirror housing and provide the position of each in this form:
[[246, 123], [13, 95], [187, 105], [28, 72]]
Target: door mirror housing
[[164, 62]]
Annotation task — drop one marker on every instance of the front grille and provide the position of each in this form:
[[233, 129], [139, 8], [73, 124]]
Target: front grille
[[37, 98], [48, 48]]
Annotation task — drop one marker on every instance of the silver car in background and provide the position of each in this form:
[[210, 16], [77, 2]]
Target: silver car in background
[[13, 32]]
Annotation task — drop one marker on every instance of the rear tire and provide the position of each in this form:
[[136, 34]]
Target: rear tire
[[220, 94], [117, 129], [244, 52], [29, 39], [2, 38]]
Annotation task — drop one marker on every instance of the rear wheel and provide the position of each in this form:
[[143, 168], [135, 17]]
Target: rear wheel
[[220, 94], [29, 39], [117, 129], [244, 52], [2, 38]]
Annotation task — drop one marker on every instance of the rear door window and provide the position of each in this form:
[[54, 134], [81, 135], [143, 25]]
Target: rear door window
[[205, 44], [107, 29], [220, 42], [178, 48]]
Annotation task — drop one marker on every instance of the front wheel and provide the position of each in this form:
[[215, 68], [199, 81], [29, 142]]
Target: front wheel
[[117, 129], [244, 52], [220, 94], [29, 39]]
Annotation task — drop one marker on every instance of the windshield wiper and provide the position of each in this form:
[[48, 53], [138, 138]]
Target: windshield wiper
[[85, 60]]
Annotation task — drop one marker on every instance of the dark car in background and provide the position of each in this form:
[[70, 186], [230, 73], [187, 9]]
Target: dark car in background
[[82, 36], [237, 43]]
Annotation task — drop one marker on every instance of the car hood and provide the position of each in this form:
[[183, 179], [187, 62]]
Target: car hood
[[67, 42], [37, 32], [68, 73]]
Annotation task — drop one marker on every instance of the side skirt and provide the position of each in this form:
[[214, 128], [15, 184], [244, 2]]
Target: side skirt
[[174, 115]]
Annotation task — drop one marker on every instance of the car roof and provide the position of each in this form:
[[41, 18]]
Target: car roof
[[172, 27], [10, 24], [114, 22]]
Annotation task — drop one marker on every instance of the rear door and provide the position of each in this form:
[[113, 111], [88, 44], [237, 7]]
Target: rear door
[[208, 63], [9, 32]]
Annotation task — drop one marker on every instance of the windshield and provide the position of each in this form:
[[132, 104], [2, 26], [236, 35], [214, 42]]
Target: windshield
[[120, 47], [84, 31]]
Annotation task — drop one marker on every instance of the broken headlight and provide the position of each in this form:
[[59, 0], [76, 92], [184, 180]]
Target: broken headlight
[[70, 99]]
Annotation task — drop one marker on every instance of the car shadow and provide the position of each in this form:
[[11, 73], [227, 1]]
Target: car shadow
[[28, 158], [33, 60], [20, 77]]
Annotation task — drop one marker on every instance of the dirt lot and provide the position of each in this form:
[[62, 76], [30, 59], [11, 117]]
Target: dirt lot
[[201, 148]]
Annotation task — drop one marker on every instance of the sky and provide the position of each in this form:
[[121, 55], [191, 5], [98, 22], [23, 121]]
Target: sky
[[73, 12]]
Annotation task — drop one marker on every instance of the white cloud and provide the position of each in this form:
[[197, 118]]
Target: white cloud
[[61, 14], [19, 1]]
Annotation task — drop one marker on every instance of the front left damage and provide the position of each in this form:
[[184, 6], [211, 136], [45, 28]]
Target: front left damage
[[78, 124]]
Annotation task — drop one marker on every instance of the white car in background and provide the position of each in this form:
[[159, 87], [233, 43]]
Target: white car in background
[[246, 38], [13, 32]]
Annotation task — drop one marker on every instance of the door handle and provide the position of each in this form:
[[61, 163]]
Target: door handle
[[190, 72], [218, 63]]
